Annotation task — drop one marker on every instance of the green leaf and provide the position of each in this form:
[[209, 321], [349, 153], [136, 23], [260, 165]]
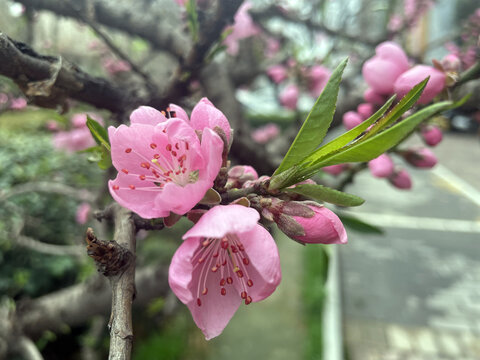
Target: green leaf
[[377, 145], [317, 122], [352, 134], [192, 18], [98, 132], [105, 160], [358, 151], [323, 193], [359, 225]]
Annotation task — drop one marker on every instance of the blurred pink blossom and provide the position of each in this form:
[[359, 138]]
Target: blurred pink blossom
[[289, 96], [401, 179], [318, 76], [365, 110], [395, 23], [432, 135], [18, 103], [334, 169], [372, 97], [243, 27], [421, 157], [381, 71], [3, 98], [381, 166], [277, 73], [351, 119], [451, 62], [265, 133], [81, 215], [410, 78]]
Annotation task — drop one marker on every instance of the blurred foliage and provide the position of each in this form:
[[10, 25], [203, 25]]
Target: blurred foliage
[[27, 155], [314, 295]]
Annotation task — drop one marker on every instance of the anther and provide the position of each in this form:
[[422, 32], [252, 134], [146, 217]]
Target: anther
[[131, 187], [205, 291], [142, 177], [241, 248], [222, 282], [229, 280], [223, 291], [248, 300], [246, 261], [214, 269], [129, 150], [224, 244], [243, 294], [153, 146], [156, 156], [240, 273], [206, 242], [234, 248], [250, 283], [174, 153], [125, 171], [201, 260], [199, 302], [176, 146], [168, 147], [115, 187]]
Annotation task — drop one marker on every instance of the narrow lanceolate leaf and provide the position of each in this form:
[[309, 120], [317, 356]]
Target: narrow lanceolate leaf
[[358, 151], [323, 193], [192, 18], [98, 132], [317, 122]]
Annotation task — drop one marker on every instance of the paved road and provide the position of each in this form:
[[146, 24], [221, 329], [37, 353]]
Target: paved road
[[415, 292]]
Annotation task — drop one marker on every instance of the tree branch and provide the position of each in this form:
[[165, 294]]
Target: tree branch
[[49, 80]]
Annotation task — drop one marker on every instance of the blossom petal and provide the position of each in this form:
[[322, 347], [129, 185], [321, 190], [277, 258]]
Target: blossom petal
[[222, 220], [215, 310], [206, 115], [264, 268], [140, 199], [179, 112], [212, 148], [147, 115]]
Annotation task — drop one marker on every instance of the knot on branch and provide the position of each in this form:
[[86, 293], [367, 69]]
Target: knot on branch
[[110, 257]]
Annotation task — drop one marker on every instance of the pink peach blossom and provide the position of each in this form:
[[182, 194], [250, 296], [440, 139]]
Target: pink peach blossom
[[334, 169], [81, 215], [324, 227], [372, 97], [18, 103], [162, 168], [351, 119], [242, 28], [410, 78], [3, 98], [381, 166], [421, 158], [451, 62], [318, 77], [289, 96], [381, 71], [204, 115], [226, 258], [264, 134], [74, 140], [365, 110], [432, 135], [401, 179], [114, 66], [277, 73]]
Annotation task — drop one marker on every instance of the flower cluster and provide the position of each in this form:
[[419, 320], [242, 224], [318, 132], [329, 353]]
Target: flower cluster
[[167, 162], [389, 72]]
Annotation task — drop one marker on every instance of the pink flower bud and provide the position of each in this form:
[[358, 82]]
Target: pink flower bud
[[401, 180], [289, 97], [318, 77], [264, 134], [451, 62], [365, 110], [351, 119], [432, 135], [381, 167], [372, 97], [240, 174], [324, 227], [381, 71], [277, 73], [421, 158], [412, 77], [333, 169]]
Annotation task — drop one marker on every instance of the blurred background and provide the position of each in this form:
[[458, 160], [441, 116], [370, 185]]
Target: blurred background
[[404, 287]]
